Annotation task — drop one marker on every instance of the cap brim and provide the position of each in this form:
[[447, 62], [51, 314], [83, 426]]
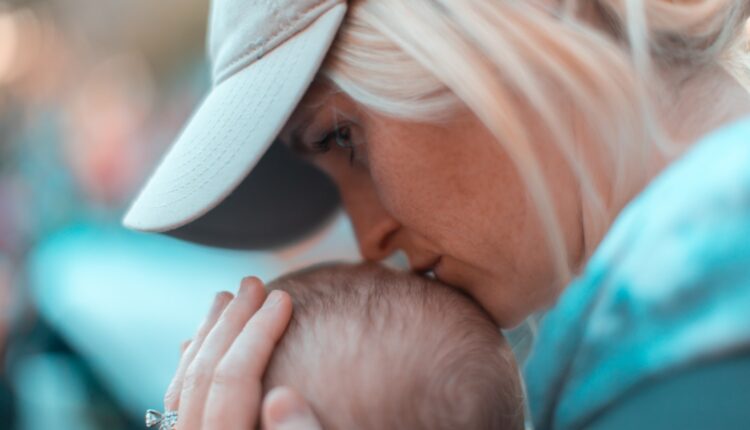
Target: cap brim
[[224, 141], [282, 200]]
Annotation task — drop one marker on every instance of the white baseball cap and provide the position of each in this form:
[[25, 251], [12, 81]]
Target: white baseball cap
[[264, 55]]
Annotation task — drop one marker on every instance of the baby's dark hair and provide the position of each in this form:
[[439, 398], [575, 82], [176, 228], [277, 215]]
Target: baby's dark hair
[[372, 348]]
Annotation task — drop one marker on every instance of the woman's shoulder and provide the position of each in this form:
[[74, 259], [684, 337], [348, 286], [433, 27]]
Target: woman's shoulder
[[707, 184], [668, 287]]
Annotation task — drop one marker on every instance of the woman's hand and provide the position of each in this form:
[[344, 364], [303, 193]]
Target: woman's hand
[[218, 381]]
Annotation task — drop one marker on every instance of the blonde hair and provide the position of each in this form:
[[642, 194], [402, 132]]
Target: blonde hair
[[581, 67]]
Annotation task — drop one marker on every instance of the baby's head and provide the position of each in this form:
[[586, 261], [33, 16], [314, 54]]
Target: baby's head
[[371, 348]]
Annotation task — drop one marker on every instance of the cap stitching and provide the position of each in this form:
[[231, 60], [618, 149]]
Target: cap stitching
[[190, 175], [224, 124], [227, 160], [259, 50], [187, 157], [215, 166]]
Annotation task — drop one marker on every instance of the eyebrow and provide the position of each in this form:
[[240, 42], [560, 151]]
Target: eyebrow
[[297, 146], [296, 143]]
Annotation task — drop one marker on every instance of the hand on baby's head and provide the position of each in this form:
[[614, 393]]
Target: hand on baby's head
[[371, 348]]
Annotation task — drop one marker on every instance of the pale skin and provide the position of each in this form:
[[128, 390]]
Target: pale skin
[[218, 379], [443, 194]]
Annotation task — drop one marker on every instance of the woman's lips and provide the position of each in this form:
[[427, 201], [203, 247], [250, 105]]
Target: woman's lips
[[430, 270], [446, 274], [436, 267], [428, 266]]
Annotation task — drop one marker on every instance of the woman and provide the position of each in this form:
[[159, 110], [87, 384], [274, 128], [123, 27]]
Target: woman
[[497, 144]]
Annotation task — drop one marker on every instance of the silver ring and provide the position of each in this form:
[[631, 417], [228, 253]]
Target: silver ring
[[166, 420]]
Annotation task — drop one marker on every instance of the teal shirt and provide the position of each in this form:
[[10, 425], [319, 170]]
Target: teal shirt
[[668, 288]]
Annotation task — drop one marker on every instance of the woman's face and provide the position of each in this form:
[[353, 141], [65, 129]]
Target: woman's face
[[446, 195]]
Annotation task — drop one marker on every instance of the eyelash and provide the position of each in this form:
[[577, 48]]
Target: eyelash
[[342, 137]]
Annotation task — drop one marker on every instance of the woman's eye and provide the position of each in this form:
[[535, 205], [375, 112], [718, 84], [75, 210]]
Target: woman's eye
[[341, 137]]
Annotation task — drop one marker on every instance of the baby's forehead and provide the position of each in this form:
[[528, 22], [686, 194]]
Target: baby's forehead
[[372, 293], [362, 284]]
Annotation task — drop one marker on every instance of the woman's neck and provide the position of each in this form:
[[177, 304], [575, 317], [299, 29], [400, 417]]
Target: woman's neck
[[695, 105], [687, 111]]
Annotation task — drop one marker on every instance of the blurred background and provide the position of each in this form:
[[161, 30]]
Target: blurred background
[[92, 316]]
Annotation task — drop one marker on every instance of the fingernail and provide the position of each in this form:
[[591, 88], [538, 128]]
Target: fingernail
[[249, 280], [216, 307], [247, 283], [218, 301], [273, 299], [243, 289]]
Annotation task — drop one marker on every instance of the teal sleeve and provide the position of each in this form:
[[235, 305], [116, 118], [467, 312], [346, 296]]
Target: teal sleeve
[[667, 290], [713, 395]]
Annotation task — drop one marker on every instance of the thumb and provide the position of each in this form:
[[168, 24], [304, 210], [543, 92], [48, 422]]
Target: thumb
[[284, 409]]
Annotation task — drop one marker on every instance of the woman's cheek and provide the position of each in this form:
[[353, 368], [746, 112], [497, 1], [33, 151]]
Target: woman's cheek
[[399, 192]]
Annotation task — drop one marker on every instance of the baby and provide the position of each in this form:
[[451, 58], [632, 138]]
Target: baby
[[371, 348]]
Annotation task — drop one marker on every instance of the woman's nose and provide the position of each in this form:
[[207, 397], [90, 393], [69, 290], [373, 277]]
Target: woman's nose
[[375, 235], [374, 227]]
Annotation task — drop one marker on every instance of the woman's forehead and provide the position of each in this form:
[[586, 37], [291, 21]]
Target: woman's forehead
[[321, 98], [319, 94], [313, 100]]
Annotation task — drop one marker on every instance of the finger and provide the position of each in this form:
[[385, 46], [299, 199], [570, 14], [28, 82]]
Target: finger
[[284, 409], [184, 346], [235, 395], [200, 372], [172, 396]]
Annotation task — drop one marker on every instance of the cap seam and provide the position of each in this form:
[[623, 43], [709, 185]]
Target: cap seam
[[275, 39], [202, 179]]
